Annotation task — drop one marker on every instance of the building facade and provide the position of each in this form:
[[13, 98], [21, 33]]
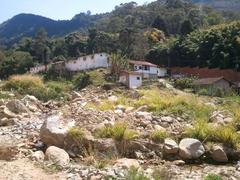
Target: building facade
[[100, 60], [131, 79]]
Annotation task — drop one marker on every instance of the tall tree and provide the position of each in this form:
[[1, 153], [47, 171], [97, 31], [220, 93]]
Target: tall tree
[[186, 27], [160, 24]]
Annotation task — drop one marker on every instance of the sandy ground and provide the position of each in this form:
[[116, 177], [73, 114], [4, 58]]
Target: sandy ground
[[24, 169]]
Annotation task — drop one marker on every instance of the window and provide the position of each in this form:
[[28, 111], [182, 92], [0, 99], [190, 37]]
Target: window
[[140, 67], [138, 78], [146, 68]]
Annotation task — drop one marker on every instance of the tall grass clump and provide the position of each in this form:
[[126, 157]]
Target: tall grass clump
[[158, 136], [119, 132]]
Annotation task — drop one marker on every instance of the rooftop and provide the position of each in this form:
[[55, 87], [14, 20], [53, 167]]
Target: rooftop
[[143, 63], [207, 81]]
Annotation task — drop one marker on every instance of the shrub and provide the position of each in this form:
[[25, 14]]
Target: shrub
[[212, 176], [81, 80], [105, 132], [76, 133], [183, 83], [159, 136], [23, 83], [118, 131], [130, 134], [203, 92], [34, 85], [201, 130]]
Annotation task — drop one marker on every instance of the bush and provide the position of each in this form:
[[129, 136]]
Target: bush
[[34, 85], [183, 83], [81, 80], [159, 136], [212, 176]]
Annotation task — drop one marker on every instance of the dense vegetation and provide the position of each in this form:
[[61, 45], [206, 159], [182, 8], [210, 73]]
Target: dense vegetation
[[218, 46]]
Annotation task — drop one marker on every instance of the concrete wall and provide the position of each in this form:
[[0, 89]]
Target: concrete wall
[[131, 80], [162, 72], [99, 60], [88, 62], [135, 81]]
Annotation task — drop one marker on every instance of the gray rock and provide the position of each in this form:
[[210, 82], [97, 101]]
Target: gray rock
[[191, 148], [144, 115], [218, 154], [105, 147], [8, 148], [53, 132], [38, 156], [57, 156], [170, 146], [167, 119], [16, 106]]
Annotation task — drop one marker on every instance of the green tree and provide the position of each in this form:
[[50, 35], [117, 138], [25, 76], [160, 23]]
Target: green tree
[[186, 27], [118, 64]]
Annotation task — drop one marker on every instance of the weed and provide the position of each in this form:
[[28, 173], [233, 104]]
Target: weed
[[159, 136], [212, 176], [76, 133]]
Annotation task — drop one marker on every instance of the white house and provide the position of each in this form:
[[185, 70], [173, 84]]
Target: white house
[[131, 79], [148, 69], [100, 60]]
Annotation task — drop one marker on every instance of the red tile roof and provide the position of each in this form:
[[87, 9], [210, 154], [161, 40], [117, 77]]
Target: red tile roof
[[142, 63]]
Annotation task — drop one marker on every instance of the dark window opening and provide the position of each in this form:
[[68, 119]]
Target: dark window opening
[[138, 78]]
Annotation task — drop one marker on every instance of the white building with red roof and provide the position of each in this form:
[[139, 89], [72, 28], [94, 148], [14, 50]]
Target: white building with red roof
[[147, 69]]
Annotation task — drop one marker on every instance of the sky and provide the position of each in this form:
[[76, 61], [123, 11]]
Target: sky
[[57, 9]]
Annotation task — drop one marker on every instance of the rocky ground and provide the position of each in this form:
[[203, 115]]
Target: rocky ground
[[35, 141]]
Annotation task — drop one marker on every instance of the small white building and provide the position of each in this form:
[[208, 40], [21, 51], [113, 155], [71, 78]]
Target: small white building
[[131, 79], [148, 69]]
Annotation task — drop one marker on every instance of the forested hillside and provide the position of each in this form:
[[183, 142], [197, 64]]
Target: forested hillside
[[166, 15], [172, 32]]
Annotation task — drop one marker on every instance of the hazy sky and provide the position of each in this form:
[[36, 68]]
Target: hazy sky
[[57, 9]]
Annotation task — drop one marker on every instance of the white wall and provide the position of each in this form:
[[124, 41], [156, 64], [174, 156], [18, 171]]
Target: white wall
[[140, 69], [162, 72], [88, 62], [38, 69], [134, 82]]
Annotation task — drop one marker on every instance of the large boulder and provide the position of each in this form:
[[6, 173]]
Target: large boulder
[[57, 156], [170, 146], [218, 154], [16, 106], [191, 148], [53, 131]]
